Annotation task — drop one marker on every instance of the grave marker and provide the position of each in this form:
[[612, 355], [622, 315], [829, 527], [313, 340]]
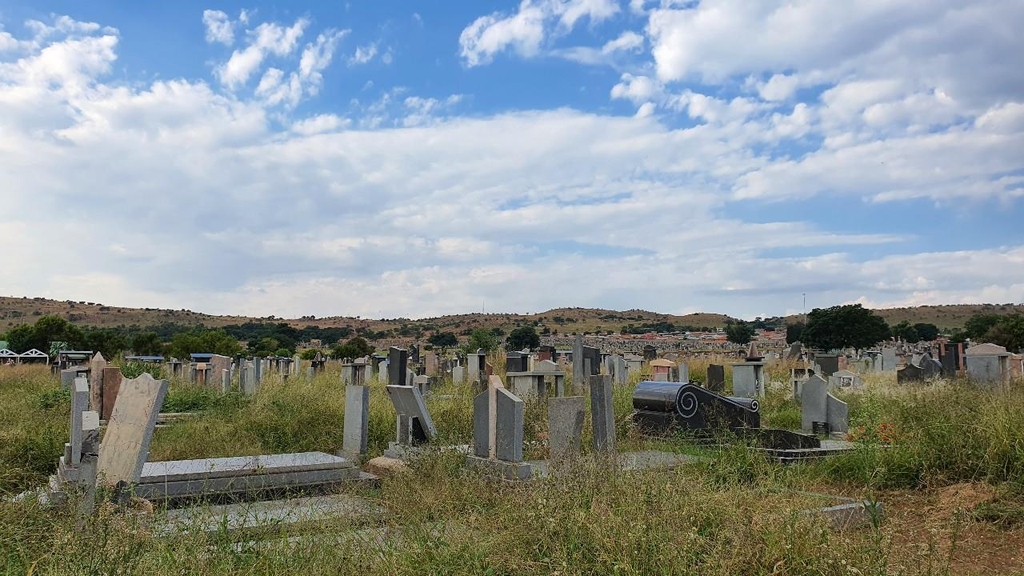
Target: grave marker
[[125, 445], [565, 426], [602, 413], [357, 417]]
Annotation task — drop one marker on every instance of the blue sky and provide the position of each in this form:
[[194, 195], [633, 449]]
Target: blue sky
[[415, 159]]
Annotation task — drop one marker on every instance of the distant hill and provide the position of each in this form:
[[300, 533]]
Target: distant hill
[[15, 311]]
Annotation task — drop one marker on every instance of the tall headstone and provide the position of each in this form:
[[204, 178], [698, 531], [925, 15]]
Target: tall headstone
[[458, 375], [498, 431], [475, 364], [748, 380], [602, 413], [111, 383], [125, 446], [684, 372], [716, 378], [818, 406], [357, 417], [578, 375], [565, 426], [889, 360], [79, 404], [96, 366], [398, 366]]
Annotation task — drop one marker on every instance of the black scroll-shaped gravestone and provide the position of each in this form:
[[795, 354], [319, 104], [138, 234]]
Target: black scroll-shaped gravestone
[[661, 406]]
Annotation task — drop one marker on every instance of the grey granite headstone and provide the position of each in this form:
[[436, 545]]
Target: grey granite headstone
[[357, 417], [813, 402], [565, 426], [889, 360], [458, 375], [409, 403], [837, 414], [481, 425], [578, 376], [684, 372], [67, 379], [79, 404], [602, 413], [509, 426]]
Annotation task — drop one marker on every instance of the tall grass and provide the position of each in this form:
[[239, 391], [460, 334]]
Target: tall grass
[[732, 513]]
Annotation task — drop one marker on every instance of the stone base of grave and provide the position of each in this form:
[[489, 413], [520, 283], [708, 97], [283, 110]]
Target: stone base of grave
[[273, 515], [245, 476], [405, 452], [828, 448], [501, 468], [626, 461], [849, 513], [384, 466]]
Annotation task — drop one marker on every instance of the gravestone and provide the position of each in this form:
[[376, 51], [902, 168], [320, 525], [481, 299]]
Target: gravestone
[[565, 426], [414, 424], [930, 368], [602, 413], [716, 378], [577, 361], [817, 406], [889, 360], [79, 404], [662, 406], [794, 351], [683, 372], [650, 352], [516, 362], [357, 418], [498, 432], [458, 375], [96, 366], [422, 383], [475, 365], [909, 373], [225, 381], [845, 379], [748, 380], [125, 446], [828, 364], [67, 379], [111, 383], [398, 366]]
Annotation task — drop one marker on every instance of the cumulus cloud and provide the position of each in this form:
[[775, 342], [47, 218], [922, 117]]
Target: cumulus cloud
[[426, 209], [526, 31], [266, 40], [219, 27]]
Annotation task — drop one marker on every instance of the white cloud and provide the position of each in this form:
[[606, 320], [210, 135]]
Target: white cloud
[[267, 39], [628, 41], [433, 210], [526, 31], [219, 27], [363, 54]]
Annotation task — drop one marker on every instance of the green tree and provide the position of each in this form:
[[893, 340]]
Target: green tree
[[443, 340], [794, 332], [481, 339], [108, 341], [356, 347], [20, 338], [147, 344], [523, 337], [905, 332], [926, 332], [1008, 332], [310, 353], [201, 340], [978, 325], [844, 327], [739, 332]]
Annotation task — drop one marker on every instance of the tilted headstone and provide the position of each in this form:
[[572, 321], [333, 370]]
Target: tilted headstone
[[909, 373], [716, 378], [602, 413], [414, 424], [125, 446], [565, 426], [357, 417]]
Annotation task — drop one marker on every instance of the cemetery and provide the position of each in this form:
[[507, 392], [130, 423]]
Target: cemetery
[[408, 461]]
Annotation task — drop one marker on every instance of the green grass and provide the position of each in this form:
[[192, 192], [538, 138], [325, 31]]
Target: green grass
[[732, 513]]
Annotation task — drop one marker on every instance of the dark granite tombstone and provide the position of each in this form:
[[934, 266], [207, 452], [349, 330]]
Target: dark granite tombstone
[[516, 362], [414, 354], [650, 352], [398, 364], [661, 406], [546, 353], [829, 364], [592, 358], [716, 378]]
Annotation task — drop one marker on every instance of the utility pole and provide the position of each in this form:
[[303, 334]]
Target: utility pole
[[805, 305]]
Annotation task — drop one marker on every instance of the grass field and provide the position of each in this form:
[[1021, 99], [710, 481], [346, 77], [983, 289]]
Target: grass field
[[951, 481]]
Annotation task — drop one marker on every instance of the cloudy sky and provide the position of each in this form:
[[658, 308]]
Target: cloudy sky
[[397, 158]]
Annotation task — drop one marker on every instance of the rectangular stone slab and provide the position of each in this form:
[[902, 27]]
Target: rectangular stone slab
[[79, 404], [244, 484], [481, 425], [602, 413], [125, 446], [565, 426], [207, 468], [357, 417]]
